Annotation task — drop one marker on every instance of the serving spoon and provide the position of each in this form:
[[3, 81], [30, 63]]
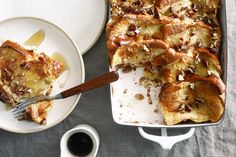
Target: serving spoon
[[102, 80]]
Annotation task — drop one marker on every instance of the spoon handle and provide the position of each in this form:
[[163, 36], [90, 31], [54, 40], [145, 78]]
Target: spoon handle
[[91, 84]]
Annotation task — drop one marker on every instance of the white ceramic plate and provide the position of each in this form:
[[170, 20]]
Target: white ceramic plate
[[56, 40], [81, 19]]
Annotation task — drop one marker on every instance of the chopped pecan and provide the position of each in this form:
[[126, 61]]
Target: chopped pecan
[[25, 65], [184, 108]]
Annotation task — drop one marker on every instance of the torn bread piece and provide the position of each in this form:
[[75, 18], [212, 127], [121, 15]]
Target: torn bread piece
[[182, 101], [25, 74], [38, 112]]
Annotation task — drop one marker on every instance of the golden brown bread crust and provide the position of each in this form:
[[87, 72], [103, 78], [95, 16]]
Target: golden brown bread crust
[[137, 54], [132, 29], [196, 34], [201, 62], [168, 57], [211, 79], [183, 101]]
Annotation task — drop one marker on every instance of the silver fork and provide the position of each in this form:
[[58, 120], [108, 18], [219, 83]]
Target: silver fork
[[19, 110]]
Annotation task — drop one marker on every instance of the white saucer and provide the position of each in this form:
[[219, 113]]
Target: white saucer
[[83, 20], [20, 29]]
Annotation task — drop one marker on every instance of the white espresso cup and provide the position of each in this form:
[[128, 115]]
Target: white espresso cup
[[82, 128]]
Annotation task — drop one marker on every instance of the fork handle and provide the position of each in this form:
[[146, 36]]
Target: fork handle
[[91, 84]]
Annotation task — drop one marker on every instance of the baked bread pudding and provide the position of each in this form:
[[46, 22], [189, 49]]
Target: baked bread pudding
[[25, 74], [177, 42]]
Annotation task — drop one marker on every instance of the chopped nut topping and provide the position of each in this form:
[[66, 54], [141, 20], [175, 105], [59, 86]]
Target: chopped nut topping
[[158, 82], [138, 3], [197, 59], [192, 85], [180, 77], [190, 71], [184, 108], [182, 17], [199, 101], [212, 45], [130, 33], [132, 27], [133, 30], [210, 73], [142, 80], [145, 48], [127, 69], [188, 108], [139, 96], [205, 63], [25, 65]]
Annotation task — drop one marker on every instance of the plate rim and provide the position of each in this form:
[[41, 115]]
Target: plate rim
[[96, 37], [82, 74], [100, 31]]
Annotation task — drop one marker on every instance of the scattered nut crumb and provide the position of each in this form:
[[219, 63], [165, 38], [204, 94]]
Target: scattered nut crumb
[[127, 69], [156, 110], [149, 100], [139, 96]]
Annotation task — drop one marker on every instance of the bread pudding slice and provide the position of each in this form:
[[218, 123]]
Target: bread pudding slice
[[134, 37], [26, 74], [138, 54], [197, 10], [198, 34], [200, 62], [132, 28], [182, 101], [120, 7]]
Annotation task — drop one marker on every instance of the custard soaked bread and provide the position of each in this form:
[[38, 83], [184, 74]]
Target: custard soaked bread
[[26, 74], [177, 42], [144, 37], [183, 101]]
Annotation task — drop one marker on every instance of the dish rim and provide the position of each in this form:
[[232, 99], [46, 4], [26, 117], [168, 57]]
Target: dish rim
[[100, 31], [224, 61]]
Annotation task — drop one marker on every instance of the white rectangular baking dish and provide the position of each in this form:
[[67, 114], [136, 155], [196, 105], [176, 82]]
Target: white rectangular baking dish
[[127, 110]]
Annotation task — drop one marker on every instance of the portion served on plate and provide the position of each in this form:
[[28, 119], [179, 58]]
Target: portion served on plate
[[177, 43], [26, 74]]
